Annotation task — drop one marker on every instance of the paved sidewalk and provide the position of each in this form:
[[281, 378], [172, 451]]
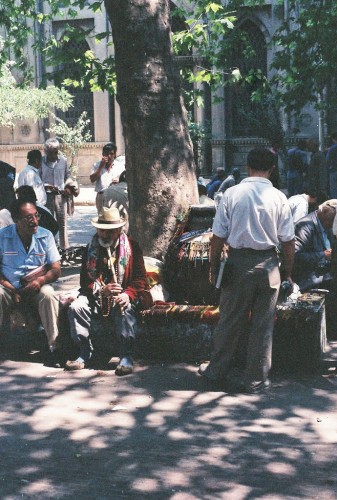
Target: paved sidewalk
[[87, 196], [161, 434]]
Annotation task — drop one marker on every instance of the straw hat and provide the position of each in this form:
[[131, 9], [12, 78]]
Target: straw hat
[[108, 218]]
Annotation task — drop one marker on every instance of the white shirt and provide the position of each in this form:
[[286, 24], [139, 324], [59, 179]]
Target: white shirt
[[299, 206], [107, 177], [254, 215], [5, 218], [30, 177]]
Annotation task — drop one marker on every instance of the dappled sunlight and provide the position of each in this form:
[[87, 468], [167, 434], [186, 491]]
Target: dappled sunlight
[[160, 432], [281, 468]]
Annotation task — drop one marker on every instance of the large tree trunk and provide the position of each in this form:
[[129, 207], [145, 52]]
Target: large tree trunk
[[159, 156]]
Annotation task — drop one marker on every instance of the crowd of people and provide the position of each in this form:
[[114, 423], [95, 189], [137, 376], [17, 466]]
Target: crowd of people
[[268, 238]]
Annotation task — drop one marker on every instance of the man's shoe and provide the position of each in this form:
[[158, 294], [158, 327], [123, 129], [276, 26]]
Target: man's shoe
[[53, 359], [205, 371], [257, 387], [125, 366], [77, 364], [113, 363]]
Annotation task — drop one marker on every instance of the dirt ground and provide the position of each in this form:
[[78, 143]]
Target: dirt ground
[[161, 433]]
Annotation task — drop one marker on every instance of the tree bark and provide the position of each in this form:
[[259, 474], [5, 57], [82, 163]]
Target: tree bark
[[160, 167]]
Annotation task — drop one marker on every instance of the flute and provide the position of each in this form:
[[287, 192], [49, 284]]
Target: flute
[[114, 277]]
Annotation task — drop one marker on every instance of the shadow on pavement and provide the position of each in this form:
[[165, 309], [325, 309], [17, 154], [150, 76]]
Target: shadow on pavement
[[161, 433]]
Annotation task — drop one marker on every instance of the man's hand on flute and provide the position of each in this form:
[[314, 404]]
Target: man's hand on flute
[[123, 300], [115, 289], [112, 289]]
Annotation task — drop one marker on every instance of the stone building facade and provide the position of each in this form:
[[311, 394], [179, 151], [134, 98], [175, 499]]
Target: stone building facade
[[232, 134]]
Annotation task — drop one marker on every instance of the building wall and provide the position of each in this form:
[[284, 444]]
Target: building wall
[[227, 149], [16, 154], [26, 135]]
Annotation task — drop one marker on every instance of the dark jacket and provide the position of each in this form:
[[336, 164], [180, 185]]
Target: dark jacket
[[311, 268], [135, 275]]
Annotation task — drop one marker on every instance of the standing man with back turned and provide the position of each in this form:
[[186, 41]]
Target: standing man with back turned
[[30, 175], [253, 218]]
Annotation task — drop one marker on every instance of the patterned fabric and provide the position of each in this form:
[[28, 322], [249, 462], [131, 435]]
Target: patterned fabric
[[101, 274], [184, 313]]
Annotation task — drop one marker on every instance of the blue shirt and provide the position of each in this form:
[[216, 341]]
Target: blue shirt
[[15, 262]]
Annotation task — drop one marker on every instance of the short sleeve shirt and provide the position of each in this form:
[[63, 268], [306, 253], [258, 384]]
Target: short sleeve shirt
[[30, 177], [15, 262], [108, 176], [254, 215]]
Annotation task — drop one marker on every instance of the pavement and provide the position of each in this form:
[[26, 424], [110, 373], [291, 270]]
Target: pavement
[[162, 432]]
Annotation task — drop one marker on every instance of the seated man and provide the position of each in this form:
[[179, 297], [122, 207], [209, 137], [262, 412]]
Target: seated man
[[47, 220], [112, 276], [313, 241], [24, 246]]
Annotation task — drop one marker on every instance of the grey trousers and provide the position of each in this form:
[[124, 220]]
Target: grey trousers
[[80, 315], [46, 303], [248, 298], [57, 204], [99, 202]]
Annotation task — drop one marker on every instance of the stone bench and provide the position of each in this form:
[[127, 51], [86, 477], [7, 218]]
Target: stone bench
[[183, 333]]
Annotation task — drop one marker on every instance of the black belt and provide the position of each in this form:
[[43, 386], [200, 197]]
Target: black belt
[[253, 251]]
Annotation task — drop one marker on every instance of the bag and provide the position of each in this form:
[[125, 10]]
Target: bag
[[34, 274]]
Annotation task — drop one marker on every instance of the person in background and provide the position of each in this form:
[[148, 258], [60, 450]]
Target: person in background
[[24, 247], [297, 168], [7, 178], [117, 194], [275, 177], [215, 182], [253, 218], [30, 175], [331, 158], [55, 173], [203, 198], [103, 174], [317, 171], [231, 180]]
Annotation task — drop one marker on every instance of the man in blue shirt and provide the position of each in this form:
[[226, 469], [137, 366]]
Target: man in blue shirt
[[24, 246]]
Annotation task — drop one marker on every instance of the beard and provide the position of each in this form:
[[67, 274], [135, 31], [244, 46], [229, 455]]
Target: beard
[[106, 244]]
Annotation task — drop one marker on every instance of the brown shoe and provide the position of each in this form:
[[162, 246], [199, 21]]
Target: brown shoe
[[74, 365], [125, 366]]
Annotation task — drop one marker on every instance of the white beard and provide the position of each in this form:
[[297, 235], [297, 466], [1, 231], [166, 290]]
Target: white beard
[[106, 244]]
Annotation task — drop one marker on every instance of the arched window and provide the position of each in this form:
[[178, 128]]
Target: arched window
[[250, 54], [83, 97]]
